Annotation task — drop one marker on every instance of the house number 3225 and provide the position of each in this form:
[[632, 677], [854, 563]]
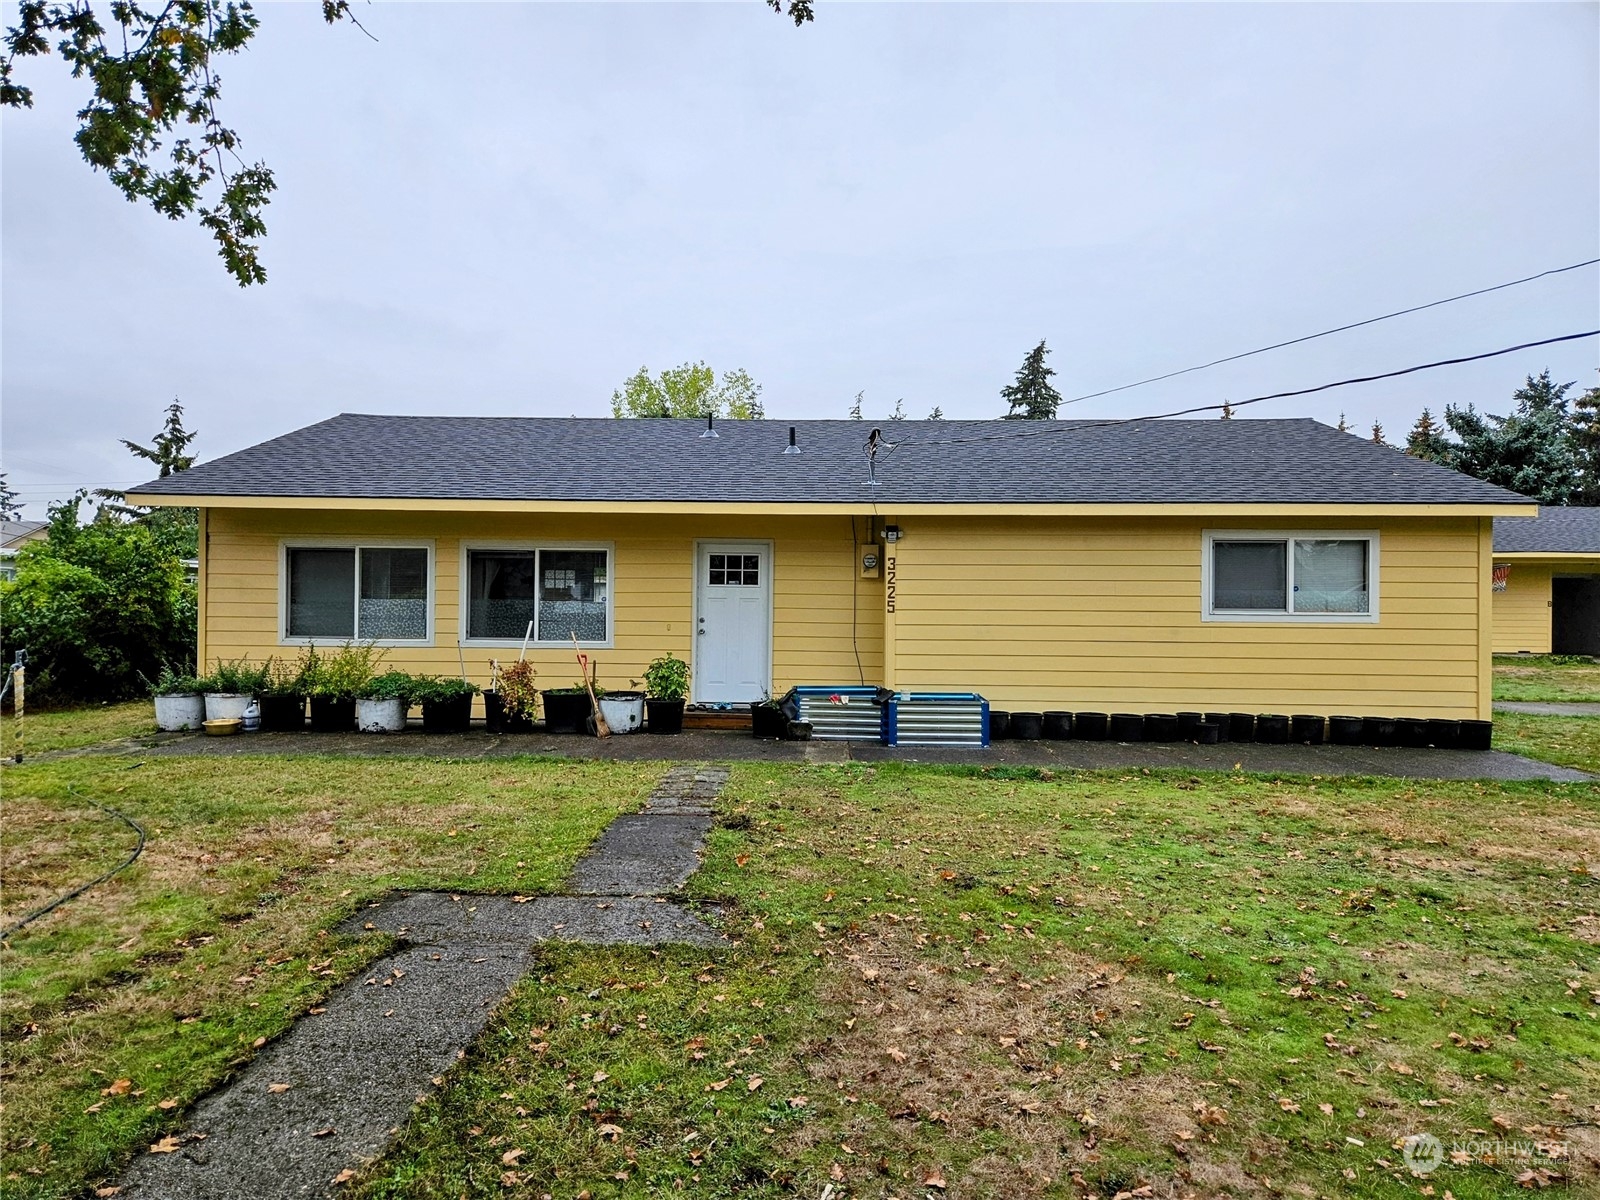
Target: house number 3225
[[888, 579]]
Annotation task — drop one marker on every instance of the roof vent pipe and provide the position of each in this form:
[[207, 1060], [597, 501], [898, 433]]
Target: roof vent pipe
[[792, 448], [711, 429]]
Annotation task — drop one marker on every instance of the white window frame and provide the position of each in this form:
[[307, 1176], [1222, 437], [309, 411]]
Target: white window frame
[[534, 546], [357, 544], [1267, 616]]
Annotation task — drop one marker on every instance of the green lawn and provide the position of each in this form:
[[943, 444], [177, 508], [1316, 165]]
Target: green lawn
[[1548, 678], [73, 728], [965, 983], [1565, 741]]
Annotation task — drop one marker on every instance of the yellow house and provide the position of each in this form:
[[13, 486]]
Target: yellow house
[[1270, 566], [1547, 583]]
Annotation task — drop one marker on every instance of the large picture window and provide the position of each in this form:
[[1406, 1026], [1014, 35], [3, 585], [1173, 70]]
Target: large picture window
[[561, 591], [366, 593], [1264, 576]]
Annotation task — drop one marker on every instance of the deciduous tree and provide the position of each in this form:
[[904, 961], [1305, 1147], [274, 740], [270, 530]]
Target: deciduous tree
[[691, 390]]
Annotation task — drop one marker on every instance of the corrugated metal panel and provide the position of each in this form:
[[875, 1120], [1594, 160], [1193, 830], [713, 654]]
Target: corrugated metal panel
[[840, 714], [937, 719]]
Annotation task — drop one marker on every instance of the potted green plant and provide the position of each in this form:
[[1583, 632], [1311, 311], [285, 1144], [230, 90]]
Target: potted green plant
[[179, 703], [231, 688], [283, 694], [384, 701], [334, 682], [446, 703], [666, 682], [512, 699], [768, 721]]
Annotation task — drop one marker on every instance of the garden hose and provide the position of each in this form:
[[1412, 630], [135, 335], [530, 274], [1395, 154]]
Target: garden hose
[[138, 849]]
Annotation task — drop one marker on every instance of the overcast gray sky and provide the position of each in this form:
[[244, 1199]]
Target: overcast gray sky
[[508, 208]]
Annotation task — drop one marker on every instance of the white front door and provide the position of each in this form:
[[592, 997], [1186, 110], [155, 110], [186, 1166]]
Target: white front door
[[733, 622]]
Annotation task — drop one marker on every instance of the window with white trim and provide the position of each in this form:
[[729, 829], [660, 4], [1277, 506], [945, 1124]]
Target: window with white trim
[[1313, 576], [365, 593], [561, 591]]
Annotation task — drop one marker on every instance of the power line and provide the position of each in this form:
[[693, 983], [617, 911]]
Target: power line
[[1084, 426], [1310, 337]]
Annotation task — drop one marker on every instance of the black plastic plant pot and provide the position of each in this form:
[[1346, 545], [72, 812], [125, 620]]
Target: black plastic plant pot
[[1090, 727], [1475, 735], [663, 716], [768, 722], [283, 714], [999, 725], [1380, 731], [1304, 727], [330, 714], [1241, 727], [1126, 727], [1220, 720], [494, 713], [1446, 735], [1057, 726], [1027, 726], [1160, 727], [1413, 732], [1346, 731], [566, 712], [1272, 729], [1207, 733], [1188, 722], [447, 716]]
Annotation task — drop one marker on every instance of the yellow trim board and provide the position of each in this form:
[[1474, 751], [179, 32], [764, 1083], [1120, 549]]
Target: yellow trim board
[[866, 507], [1550, 556]]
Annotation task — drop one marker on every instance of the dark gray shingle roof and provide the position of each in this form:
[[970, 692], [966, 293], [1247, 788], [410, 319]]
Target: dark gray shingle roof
[[544, 458], [1556, 531]]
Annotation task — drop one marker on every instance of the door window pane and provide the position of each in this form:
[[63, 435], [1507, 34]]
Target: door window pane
[[573, 595], [501, 595], [322, 591], [394, 595], [1250, 576], [1331, 576]]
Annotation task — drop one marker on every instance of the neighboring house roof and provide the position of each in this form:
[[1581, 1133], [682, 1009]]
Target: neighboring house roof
[[1557, 531], [14, 534], [936, 462]]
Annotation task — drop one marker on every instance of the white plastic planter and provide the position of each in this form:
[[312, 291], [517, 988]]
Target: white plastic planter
[[177, 713], [623, 711], [380, 716], [227, 706]]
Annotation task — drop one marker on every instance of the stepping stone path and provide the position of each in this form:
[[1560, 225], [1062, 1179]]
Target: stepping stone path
[[331, 1093]]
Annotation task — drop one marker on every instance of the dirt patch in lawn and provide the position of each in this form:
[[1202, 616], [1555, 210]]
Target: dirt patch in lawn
[[1002, 1083]]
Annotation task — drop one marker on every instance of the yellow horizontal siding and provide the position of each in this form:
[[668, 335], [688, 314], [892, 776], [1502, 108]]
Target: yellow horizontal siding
[[1070, 614], [1522, 611]]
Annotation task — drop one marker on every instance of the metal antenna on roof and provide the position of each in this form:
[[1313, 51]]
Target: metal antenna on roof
[[792, 448], [711, 429], [874, 441]]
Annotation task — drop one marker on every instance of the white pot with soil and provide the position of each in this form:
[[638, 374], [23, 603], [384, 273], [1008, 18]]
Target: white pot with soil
[[174, 714], [227, 706], [381, 716]]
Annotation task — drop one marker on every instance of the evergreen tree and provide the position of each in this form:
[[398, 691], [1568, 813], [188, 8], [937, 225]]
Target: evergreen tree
[[855, 409], [937, 414], [1377, 435], [1531, 451], [10, 508], [1031, 397], [178, 528], [899, 413], [1344, 426], [1427, 440], [1227, 411], [1585, 433]]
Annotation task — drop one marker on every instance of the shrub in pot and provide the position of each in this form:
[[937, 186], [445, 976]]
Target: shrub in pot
[[179, 704], [334, 681], [384, 702], [666, 682], [283, 696], [512, 700], [446, 703], [231, 687], [566, 710]]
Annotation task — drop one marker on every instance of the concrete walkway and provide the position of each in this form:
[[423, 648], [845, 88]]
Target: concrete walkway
[[1565, 708], [331, 1093], [726, 746]]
